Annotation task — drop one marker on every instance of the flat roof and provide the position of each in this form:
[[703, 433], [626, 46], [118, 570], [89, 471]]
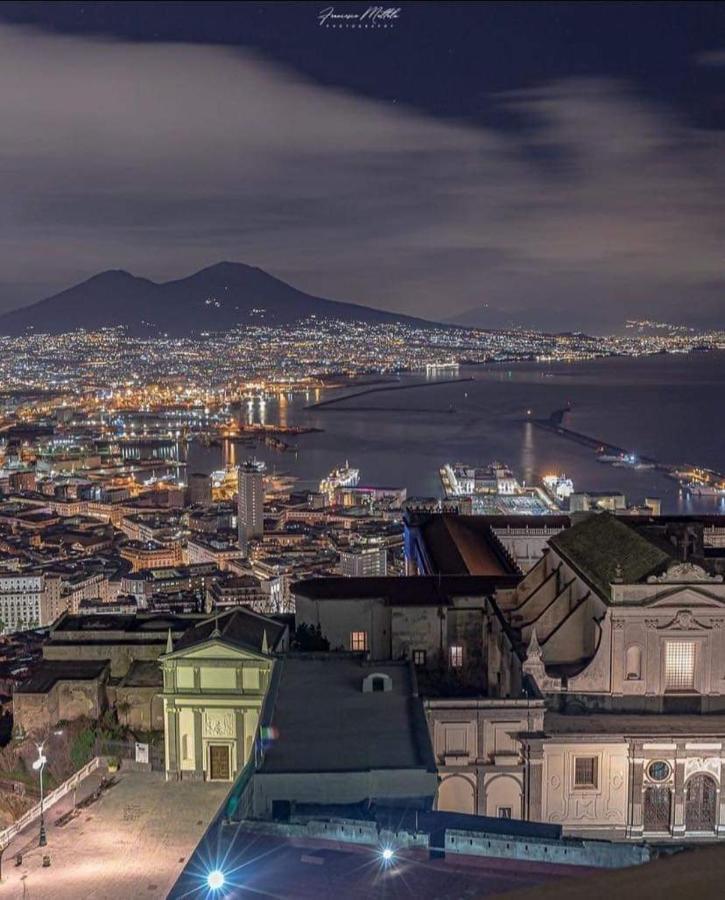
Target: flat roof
[[344, 729], [269, 865], [122, 622], [48, 672], [628, 724], [407, 590], [143, 673]]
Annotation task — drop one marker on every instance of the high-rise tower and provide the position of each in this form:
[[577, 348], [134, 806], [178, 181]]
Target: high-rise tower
[[250, 502]]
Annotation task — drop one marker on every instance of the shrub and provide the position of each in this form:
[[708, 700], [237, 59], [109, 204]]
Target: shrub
[[82, 747]]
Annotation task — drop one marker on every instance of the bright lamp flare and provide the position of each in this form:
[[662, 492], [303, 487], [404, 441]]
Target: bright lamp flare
[[215, 879], [387, 854]]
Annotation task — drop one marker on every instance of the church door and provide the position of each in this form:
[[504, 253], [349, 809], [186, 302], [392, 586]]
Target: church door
[[219, 762], [700, 797], [657, 807]]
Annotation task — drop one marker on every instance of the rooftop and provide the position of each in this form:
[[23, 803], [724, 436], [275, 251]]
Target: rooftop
[[463, 545], [143, 673], [48, 672], [129, 624], [413, 590], [239, 626], [602, 548], [345, 730], [619, 724]]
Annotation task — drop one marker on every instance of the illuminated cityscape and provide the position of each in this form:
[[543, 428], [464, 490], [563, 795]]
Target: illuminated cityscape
[[385, 557]]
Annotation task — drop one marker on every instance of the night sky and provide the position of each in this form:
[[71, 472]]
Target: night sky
[[557, 164]]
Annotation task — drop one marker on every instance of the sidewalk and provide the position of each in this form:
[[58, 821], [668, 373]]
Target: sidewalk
[[133, 841]]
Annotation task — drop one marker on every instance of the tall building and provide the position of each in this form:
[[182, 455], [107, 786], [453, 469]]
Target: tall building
[[199, 489], [364, 560], [250, 502], [29, 600]]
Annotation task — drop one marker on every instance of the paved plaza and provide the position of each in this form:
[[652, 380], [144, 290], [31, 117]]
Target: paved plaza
[[131, 842]]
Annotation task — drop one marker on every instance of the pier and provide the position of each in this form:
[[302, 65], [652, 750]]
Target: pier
[[554, 425], [324, 404]]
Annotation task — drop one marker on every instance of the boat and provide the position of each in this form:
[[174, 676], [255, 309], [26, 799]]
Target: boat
[[705, 490], [341, 477]]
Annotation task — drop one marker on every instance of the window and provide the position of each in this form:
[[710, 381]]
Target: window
[[419, 657], [659, 770], [680, 665], [504, 812], [585, 772], [358, 640], [455, 656], [634, 663]]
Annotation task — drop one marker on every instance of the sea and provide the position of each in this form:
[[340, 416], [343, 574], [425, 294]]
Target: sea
[[669, 407]]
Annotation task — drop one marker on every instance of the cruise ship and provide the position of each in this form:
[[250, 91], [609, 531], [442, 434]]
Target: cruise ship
[[342, 477], [705, 490]]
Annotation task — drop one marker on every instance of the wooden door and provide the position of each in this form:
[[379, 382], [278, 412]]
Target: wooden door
[[219, 762]]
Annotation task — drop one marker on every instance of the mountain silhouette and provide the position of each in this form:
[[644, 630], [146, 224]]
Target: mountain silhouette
[[217, 298]]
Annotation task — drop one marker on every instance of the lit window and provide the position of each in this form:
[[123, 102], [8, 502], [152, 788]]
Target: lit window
[[455, 655], [585, 772], [680, 665], [419, 657], [358, 640]]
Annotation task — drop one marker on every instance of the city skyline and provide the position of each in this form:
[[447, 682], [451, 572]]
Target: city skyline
[[558, 186], [362, 470]]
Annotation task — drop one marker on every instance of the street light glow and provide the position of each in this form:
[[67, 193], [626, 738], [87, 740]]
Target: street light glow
[[387, 854], [215, 879]]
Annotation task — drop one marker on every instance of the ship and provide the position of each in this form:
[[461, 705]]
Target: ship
[[559, 487], [705, 490], [341, 477]]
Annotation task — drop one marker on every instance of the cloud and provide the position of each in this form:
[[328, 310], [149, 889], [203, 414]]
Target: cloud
[[711, 58], [164, 158]]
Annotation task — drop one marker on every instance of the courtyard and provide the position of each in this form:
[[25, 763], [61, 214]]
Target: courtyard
[[133, 841]]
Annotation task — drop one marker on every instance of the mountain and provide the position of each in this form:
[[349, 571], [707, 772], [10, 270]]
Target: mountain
[[215, 299]]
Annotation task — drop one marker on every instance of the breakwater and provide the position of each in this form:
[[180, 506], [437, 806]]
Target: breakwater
[[326, 404]]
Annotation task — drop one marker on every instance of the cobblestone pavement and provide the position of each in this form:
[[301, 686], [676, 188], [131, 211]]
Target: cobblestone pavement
[[132, 842]]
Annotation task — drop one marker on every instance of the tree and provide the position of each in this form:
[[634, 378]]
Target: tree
[[309, 638]]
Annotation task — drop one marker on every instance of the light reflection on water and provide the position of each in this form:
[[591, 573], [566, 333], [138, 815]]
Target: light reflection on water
[[662, 406]]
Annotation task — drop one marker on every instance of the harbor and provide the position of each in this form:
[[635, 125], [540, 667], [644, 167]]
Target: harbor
[[696, 480]]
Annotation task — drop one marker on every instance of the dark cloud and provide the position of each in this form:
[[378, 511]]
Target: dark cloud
[[164, 158]]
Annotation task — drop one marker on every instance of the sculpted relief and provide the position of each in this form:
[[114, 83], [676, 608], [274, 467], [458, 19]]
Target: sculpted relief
[[683, 573], [218, 723]]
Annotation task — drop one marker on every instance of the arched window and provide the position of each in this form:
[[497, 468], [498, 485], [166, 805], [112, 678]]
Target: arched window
[[633, 663]]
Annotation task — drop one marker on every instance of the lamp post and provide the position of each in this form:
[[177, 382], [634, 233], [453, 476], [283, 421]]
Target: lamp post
[[39, 765]]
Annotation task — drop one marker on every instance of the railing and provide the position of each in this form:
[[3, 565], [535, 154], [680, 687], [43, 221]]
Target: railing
[[32, 814]]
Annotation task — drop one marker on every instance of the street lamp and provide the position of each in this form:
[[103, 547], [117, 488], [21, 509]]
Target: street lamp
[[39, 765], [215, 879]]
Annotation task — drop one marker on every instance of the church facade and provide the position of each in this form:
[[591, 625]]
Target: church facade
[[215, 681], [621, 643]]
